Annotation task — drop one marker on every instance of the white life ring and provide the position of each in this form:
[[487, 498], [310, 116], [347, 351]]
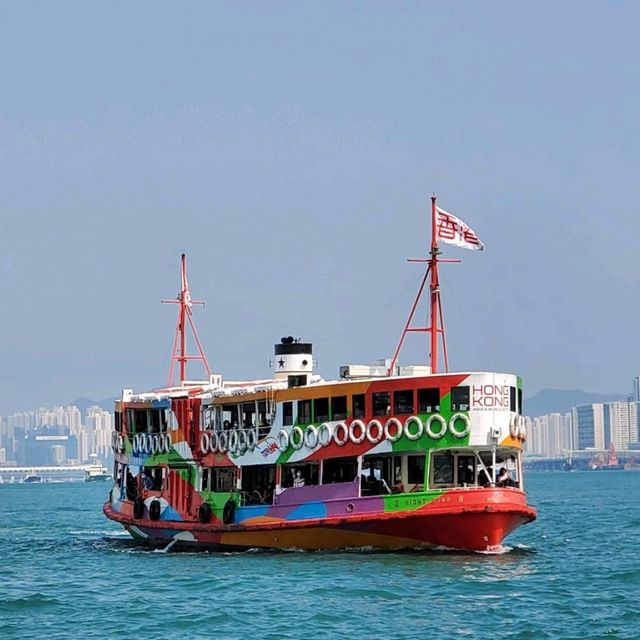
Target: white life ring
[[213, 442], [435, 435], [135, 444], [205, 442], [242, 441], [167, 442], [283, 440], [374, 439], [522, 429], [387, 429], [252, 439], [311, 437], [323, 429], [223, 442], [147, 442], [233, 441], [465, 421], [296, 444], [513, 426], [407, 431], [341, 426], [363, 432]]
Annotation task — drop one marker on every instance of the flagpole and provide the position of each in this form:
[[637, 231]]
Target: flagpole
[[435, 288]]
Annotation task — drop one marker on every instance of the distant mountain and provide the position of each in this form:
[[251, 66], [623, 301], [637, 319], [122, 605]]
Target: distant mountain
[[84, 403], [561, 400]]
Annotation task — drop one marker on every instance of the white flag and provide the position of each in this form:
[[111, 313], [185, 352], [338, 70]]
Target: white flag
[[451, 229]]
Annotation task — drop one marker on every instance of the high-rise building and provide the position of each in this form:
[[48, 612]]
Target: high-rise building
[[636, 389], [588, 426]]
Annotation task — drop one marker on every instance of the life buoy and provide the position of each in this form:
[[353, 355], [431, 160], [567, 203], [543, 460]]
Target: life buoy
[[325, 433], [229, 511], [136, 444], [213, 442], [154, 509], [167, 442], [223, 442], [138, 508], [205, 442], [242, 442], [435, 435], [233, 441], [296, 443], [204, 513], [407, 431], [352, 432], [148, 443], [311, 437], [522, 429], [465, 421], [154, 444], [374, 439], [252, 439], [341, 427], [387, 429], [283, 440], [513, 426]]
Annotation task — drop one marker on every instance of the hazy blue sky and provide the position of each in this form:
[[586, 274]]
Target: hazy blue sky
[[289, 148]]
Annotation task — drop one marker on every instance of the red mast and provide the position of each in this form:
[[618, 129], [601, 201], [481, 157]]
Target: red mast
[[436, 319], [179, 353]]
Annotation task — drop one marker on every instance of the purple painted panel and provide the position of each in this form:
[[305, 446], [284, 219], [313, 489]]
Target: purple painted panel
[[370, 504], [319, 493]]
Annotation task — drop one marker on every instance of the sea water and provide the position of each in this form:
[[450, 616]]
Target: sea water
[[68, 572]]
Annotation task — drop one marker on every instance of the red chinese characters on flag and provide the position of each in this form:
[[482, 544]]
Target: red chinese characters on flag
[[451, 229]]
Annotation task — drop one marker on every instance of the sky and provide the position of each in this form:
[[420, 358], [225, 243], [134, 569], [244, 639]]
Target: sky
[[290, 150]]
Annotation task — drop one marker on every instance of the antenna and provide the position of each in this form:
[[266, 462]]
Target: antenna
[[178, 352]]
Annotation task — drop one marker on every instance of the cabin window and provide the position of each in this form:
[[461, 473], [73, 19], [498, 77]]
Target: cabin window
[[466, 471], [218, 479], [321, 407], [299, 475], [140, 420], [158, 422], [287, 414], [117, 417], [381, 403], [358, 409], [459, 398], [229, 416], [258, 484], [264, 419], [339, 408], [248, 415], [297, 381], [304, 412], [512, 399], [442, 469], [403, 401], [339, 470], [415, 472], [520, 407], [381, 475], [152, 478], [428, 400]]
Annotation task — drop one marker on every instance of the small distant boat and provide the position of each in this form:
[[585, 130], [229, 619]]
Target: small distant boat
[[96, 472], [632, 465], [32, 479]]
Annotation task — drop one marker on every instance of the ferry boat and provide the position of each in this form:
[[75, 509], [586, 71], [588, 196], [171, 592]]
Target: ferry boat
[[383, 457], [96, 472]]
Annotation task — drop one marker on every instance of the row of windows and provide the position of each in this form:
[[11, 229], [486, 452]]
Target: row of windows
[[324, 409]]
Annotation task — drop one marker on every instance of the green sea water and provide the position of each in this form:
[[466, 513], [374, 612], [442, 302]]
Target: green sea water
[[67, 572]]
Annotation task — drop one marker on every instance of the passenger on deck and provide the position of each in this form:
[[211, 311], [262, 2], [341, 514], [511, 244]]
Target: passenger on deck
[[503, 479], [226, 425], [298, 480], [132, 489]]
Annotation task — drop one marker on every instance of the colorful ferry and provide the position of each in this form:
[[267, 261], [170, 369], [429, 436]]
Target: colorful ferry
[[383, 457]]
